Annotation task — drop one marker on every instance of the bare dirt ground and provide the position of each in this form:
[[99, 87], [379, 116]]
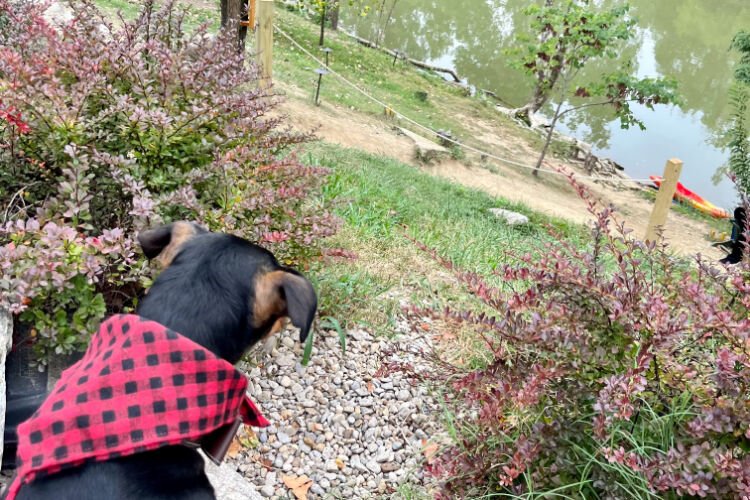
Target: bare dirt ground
[[551, 195]]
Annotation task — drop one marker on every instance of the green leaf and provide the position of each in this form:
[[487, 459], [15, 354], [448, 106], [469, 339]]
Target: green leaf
[[333, 324], [307, 354]]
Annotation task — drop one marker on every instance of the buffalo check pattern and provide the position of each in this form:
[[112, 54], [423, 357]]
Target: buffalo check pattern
[[140, 386]]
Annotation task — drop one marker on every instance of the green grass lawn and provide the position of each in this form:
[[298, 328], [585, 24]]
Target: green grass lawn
[[381, 202]]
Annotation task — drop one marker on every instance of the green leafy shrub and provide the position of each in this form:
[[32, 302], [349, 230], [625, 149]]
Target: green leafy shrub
[[739, 97]]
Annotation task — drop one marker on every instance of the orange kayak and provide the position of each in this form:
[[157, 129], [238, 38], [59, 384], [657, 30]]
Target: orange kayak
[[683, 194]]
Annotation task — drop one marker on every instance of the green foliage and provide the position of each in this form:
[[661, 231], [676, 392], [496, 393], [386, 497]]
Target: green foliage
[[59, 331], [739, 156], [741, 43], [570, 34], [621, 89], [320, 6], [739, 96], [323, 9]]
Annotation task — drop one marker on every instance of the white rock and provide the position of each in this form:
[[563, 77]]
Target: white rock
[[283, 438], [510, 217], [267, 491]]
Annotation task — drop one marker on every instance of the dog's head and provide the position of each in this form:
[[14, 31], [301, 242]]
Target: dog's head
[[222, 291]]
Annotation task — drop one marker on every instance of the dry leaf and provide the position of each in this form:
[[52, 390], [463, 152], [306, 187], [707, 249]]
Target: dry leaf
[[430, 450], [370, 387], [266, 464], [235, 447], [298, 485]]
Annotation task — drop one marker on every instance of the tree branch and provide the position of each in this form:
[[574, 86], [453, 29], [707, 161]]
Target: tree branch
[[590, 104]]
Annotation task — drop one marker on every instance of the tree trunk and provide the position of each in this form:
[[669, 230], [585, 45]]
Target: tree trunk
[[232, 12], [335, 16], [550, 133], [322, 26]]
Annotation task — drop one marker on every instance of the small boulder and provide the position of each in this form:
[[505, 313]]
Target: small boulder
[[511, 218]]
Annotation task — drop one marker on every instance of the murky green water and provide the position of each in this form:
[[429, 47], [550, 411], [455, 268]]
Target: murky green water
[[685, 39]]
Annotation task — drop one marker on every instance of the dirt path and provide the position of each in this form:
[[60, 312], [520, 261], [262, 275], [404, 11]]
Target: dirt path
[[549, 195]]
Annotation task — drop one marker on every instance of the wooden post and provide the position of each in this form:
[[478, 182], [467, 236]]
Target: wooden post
[[264, 41], [664, 199], [251, 9]]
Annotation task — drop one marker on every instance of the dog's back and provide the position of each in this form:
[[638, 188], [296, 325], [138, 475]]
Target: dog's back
[[170, 473]]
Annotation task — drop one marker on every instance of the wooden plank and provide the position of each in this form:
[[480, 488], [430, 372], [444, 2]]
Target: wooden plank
[[251, 10], [264, 41], [664, 199]]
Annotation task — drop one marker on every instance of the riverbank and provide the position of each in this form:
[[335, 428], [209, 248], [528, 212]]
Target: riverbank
[[349, 118]]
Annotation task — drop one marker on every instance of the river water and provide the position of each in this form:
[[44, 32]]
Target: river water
[[685, 39]]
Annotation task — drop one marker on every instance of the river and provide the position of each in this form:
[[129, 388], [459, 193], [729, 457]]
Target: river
[[684, 39]]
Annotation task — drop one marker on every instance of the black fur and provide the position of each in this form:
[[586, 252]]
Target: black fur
[[207, 295]]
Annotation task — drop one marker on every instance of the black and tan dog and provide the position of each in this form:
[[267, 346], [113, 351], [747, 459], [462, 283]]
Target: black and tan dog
[[221, 292]]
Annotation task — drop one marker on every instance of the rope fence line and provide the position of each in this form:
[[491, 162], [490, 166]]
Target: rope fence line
[[507, 161]]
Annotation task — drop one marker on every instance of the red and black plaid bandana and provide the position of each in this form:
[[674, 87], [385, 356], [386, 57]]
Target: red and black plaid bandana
[[140, 386]]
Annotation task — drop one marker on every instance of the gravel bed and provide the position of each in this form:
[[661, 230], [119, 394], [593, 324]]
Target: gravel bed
[[354, 435]]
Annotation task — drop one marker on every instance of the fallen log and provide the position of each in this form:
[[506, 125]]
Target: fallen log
[[393, 53]]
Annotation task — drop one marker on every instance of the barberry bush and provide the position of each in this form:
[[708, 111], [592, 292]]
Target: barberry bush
[[106, 128], [612, 371]]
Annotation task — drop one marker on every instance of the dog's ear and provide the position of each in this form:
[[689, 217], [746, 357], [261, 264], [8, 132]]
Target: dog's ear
[[164, 243], [284, 293]]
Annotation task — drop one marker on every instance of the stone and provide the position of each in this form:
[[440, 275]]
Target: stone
[[510, 217], [425, 150], [267, 491], [285, 381], [389, 467], [373, 466], [286, 360]]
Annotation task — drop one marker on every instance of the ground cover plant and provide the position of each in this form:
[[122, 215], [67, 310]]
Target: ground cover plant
[[616, 371], [107, 128]]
